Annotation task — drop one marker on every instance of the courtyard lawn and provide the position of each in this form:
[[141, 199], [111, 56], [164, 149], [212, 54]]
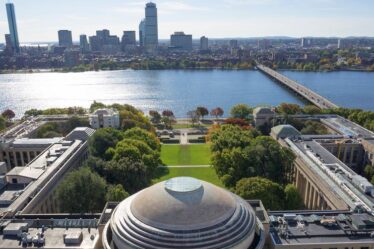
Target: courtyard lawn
[[191, 154], [207, 174]]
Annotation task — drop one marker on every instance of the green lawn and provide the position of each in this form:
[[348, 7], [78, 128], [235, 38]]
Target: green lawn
[[192, 154], [184, 126], [205, 174]]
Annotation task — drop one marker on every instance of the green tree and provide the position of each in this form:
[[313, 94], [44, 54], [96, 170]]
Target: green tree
[[288, 109], [8, 114], [96, 105], [369, 171], [137, 150], [312, 110], [271, 194], [241, 111], [2, 123], [314, 127], [293, 200], [140, 134], [102, 140], [116, 193], [130, 173], [33, 112], [82, 191], [155, 116]]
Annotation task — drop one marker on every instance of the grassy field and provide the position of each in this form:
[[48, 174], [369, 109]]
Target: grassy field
[[192, 154], [184, 126], [205, 174]]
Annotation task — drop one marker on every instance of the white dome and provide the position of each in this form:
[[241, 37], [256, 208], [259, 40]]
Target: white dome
[[183, 213]]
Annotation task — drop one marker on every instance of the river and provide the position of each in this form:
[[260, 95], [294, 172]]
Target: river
[[178, 90]]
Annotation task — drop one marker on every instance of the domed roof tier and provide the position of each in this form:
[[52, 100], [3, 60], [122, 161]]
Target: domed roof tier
[[183, 213], [182, 204]]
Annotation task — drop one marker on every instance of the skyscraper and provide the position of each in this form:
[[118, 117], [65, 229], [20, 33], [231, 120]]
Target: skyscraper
[[128, 41], [151, 26], [12, 26], [141, 32], [65, 38], [181, 41], [83, 44], [204, 43]]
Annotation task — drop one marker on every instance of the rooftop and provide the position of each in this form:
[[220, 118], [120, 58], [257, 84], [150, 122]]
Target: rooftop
[[58, 232], [320, 227]]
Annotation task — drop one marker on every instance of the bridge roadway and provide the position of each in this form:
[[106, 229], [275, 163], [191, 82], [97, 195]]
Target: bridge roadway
[[303, 91]]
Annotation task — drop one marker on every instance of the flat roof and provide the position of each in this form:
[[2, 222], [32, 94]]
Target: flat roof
[[307, 228], [55, 229], [347, 127], [324, 163]]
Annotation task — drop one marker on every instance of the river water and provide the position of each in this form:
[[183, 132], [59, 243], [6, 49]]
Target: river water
[[178, 90]]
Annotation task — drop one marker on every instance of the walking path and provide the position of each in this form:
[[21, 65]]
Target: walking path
[[183, 138], [185, 166]]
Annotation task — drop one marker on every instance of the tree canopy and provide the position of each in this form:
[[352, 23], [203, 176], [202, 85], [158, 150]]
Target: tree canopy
[[271, 194], [102, 140], [82, 191], [8, 114], [293, 200], [241, 111]]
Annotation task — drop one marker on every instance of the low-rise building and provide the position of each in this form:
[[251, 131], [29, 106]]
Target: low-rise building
[[31, 189], [105, 118], [263, 116], [321, 229]]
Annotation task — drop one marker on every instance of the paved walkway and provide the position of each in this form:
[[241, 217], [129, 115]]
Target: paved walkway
[[184, 138], [185, 166]]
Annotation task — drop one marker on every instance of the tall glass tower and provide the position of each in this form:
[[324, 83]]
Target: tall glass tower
[[12, 26], [151, 26]]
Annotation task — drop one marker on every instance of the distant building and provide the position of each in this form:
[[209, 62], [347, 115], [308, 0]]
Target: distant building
[[263, 116], [306, 42], [104, 42], [71, 58], [141, 33], [65, 38], [105, 118], [204, 43], [234, 44], [181, 41], [13, 31], [263, 44], [345, 43], [128, 41], [151, 26], [83, 44], [8, 45]]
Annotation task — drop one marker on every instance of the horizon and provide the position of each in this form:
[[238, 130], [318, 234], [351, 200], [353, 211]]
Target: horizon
[[247, 19]]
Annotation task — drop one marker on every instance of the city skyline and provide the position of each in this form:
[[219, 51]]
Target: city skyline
[[247, 18]]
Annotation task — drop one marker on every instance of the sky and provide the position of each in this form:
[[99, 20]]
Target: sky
[[39, 20]]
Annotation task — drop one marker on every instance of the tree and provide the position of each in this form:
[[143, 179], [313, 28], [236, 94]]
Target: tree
[[369, 171], [293, 200], [217, 112], [2, 123], [314, 128], [271, 194], [139, 134], [96, 105], [129, 172], [237, 121], [102, 140], [288, 109], [193, 116], [8, 114], [167, 113], [81, 191], [155, 116], [202, 111], [116, 193], [138, 150], [33, 112], [241, 111], [311, 110]]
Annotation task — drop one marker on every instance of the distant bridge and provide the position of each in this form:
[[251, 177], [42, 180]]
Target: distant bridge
[[303, 91]]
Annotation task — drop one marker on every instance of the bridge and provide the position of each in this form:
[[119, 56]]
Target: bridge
[[303, 91]]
